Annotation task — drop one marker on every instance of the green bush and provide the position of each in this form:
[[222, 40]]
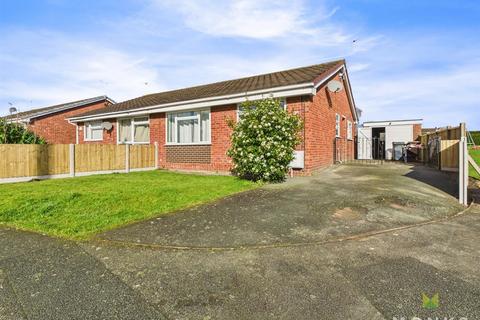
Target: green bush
[[14, 133], [263, 141]]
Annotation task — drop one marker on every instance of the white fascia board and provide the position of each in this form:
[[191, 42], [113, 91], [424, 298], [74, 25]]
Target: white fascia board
[[287, 91], [48, 112], [350, 94], [348, 89], [110, 100], [387, 123], [329, 76], [19, 120]]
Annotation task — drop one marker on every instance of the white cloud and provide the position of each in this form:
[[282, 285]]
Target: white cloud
[[257, 19], [357, 67], [47, 68], [429, 76], [172, 44], [443, 97]]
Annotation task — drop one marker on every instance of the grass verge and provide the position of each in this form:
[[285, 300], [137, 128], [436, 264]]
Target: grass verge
[[475, 154], [81, 207]]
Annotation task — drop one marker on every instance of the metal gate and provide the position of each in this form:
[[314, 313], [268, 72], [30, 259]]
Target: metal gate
[[370, 148], [433, 152]]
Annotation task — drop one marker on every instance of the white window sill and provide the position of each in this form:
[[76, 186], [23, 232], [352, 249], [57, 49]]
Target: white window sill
[[189, 144], [132, 143], [89, 140]]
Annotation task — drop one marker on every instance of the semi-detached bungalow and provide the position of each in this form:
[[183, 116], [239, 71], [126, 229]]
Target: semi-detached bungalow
[[51, 122], [190, 125]]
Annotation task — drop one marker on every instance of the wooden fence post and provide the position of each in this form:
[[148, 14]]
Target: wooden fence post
[[127, 158], [72, 160], [157, 165], [463, 129]]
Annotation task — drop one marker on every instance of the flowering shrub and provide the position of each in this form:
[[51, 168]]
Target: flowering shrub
[[263, 141]]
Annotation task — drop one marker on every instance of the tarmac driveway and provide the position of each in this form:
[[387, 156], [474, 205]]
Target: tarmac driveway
[[340, 201], [293, 269]]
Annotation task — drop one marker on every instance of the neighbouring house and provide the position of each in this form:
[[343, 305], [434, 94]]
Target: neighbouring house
[[384, 139], [190, 125], [51, 122]]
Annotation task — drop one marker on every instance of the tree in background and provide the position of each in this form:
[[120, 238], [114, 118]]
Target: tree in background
[[264, 140], [14, 133]]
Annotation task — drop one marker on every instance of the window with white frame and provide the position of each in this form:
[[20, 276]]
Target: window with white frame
[[134, 130], [190, 127], [338, 120], [349, 130], [93, 131], [283, 105]]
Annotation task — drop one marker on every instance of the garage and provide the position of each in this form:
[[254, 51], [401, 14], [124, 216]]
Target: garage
[[383, 140]]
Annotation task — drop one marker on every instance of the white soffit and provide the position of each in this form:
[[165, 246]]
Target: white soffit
[[387, 123]]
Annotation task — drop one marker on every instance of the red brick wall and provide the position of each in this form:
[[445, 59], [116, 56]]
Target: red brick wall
[[297, 105], [221, 136], [199, 153], [417, 131], [321, 145], [55, 128]]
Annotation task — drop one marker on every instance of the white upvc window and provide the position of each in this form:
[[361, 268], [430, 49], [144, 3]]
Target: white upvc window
[[349, 130], [133, 130], [338, 120], [93, 131], [188, 127], [283, 105]]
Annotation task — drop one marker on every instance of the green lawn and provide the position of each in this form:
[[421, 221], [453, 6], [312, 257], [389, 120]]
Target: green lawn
[[80, 207], [476, 156]]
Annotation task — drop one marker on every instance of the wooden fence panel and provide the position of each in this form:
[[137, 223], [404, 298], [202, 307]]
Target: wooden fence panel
[[29, 160], [142, 156], [57, 159], [449, 155], [99, 157], [446, 134], [26, 160]]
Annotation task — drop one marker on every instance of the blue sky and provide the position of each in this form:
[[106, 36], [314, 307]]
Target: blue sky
[[411, 59]]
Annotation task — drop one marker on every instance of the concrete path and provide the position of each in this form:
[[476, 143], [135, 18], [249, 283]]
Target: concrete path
[[374, 277]]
